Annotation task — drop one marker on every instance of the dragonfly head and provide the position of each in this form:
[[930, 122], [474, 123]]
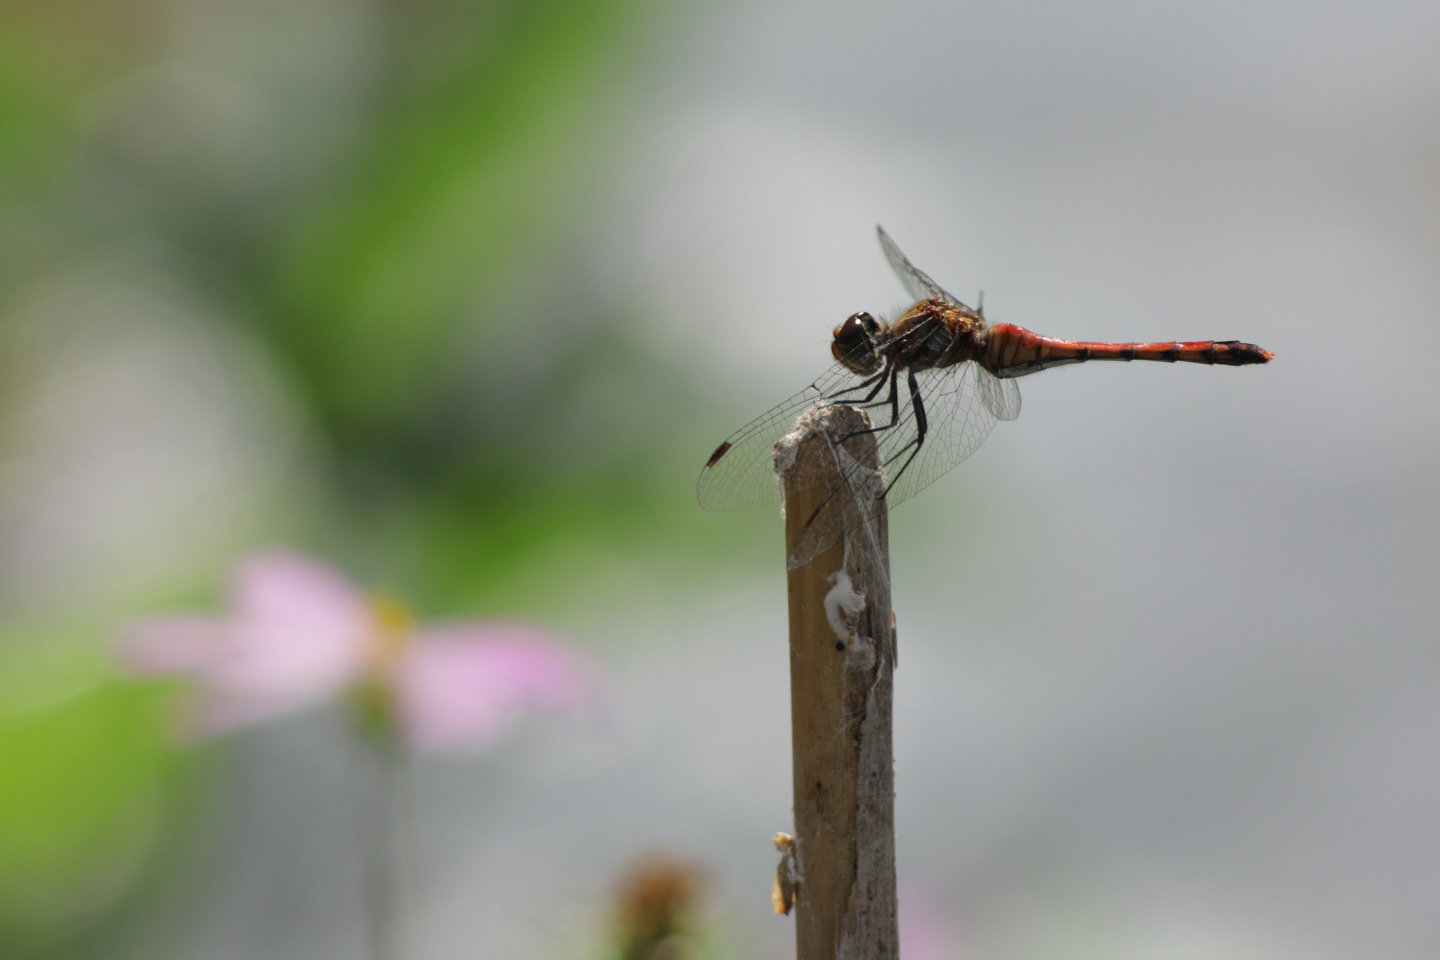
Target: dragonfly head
[[854, 344]]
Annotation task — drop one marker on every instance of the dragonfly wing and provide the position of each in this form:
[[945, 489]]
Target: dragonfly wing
[[958, 418], [915, 281], [740, 474], [1001, 397], [958, 421]]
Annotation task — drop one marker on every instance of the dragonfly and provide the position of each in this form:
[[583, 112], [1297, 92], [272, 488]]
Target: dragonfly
[[937, 379]]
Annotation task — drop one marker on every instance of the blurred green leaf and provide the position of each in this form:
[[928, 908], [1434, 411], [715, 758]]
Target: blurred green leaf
[[84, 789], [461, 188]]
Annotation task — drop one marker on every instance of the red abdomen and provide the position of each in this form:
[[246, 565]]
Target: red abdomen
[[1012, 351]]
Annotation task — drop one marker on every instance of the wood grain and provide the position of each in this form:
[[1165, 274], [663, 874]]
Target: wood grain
[[842, 659]]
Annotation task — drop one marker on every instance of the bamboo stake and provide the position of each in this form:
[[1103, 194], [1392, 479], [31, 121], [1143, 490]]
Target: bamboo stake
[[842, 656]]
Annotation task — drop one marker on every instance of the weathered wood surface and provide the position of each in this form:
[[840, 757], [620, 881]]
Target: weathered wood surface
[[842, 658]]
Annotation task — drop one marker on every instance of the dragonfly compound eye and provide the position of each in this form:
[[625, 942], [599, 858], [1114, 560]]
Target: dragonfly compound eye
[[854, 343]]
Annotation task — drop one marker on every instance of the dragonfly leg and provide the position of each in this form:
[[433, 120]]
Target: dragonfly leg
[[892, 401], [922, 424], [876, 381]]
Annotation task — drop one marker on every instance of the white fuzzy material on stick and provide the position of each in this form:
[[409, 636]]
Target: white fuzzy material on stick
[[843, 604]]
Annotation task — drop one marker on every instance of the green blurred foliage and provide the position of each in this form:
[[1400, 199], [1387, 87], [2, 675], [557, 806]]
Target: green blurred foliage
[[458, 190], [88, 785]]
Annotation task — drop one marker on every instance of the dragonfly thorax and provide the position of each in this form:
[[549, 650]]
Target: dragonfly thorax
[[935, 334], [855, 344]]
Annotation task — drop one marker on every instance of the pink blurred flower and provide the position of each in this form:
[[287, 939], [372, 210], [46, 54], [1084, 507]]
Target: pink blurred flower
[[463, 684], [298, 633], [925, 930]]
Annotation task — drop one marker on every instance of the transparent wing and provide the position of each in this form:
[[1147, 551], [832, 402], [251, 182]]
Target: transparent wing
[[1001, 397], [915, 281], [958, 421], [740, 474]]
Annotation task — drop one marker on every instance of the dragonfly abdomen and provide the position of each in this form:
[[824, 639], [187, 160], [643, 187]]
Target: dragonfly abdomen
[[1012, 351]]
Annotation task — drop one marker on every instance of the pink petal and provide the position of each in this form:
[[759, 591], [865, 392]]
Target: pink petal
[[297, 633], [301, 631], [463, 685], [167, 646], [299, 595]]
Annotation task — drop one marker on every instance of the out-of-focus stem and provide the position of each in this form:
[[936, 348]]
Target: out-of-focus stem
[[381, 799]]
